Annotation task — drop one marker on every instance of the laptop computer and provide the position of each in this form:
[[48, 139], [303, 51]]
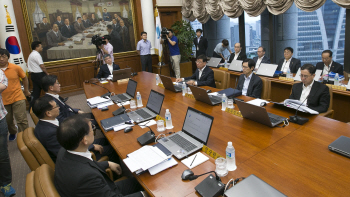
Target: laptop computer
[[168, 84], [253, 186], [317, 75], [121, 74], [259, 114], [214, 62], [341, 146], [152, 109], [267, 69], [194, 134], [201, 94], [236, 65], [130, 93]]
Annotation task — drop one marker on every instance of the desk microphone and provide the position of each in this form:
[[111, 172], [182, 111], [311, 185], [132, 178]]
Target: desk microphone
[[297, 119], [148, 137], [104, 95], [133, 71], [119, 111]]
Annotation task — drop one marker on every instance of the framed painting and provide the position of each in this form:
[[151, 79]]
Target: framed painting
[[66, 28]]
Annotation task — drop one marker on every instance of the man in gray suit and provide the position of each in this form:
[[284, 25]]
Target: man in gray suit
[[78, 26], [54, 37]]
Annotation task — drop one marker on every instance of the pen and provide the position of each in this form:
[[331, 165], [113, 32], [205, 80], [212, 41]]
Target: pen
[[193, 159]]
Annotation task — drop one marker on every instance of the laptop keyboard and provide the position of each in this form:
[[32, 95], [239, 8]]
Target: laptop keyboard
[[182, 142], [178, 88], [122, 97], [275, 118], [215, 99], [143, 114]]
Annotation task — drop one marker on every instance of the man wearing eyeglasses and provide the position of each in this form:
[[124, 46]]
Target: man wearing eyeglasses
[[204, 76], [261, 58], [249, 83], [313, 93]]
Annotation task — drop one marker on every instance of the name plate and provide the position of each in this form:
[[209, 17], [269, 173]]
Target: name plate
[[161, 85], [210, 152], [286, 79], [189, 96], [223, 68], [234, 112], [339, 87]]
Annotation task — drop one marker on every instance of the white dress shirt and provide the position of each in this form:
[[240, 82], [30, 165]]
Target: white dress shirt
[[236, 56], [34, 62], [285, 65], [246, 84], [86, 154], [326, 69], [199, 74], [258, 62], [54, 122], [305, 93], [110, 68]]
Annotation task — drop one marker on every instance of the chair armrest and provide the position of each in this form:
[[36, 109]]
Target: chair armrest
[[328, 114], [109, 173]]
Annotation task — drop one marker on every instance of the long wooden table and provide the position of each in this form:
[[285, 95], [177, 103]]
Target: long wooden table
[[294, 159]]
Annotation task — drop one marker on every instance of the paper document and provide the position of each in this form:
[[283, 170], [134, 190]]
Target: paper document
[[105, 104], [199, 159], [124, 103], [163, 166], [257, 102], [348, 87], [295, 104], [97, 100], [213, 93], [122, 126], [149, 123]]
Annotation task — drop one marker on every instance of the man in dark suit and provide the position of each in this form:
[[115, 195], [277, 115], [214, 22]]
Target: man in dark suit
[[204, 76], [293, 63], [76, 174], [261, 58], [86, 22], [316, 93], [59, 22], [54, 37], [116, 40], [78, 26], [249, 83], [108, 68], [328, 65], [238, 54], [115, 25], [200, 43], [47, 110], [45, 26], [94, 19], [67, 30]]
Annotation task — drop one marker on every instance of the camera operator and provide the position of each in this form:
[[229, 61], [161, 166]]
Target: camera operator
[[105, 49], [174, 49]]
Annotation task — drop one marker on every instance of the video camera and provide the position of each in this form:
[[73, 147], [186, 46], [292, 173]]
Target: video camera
[[164, 32], [97, 40]]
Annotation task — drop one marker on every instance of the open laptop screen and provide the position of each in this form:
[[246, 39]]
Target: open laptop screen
[[198, 125], [131, 89], [155, 101]]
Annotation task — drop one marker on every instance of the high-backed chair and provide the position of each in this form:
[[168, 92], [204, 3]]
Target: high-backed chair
[[266, 89], [26, 153], [40, 183], [346, 76], [330, 111], [228, 80], [220, 78], [34, 117]]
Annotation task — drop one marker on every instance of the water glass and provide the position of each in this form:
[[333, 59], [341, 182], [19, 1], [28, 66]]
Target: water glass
[[230, 104], [221, 168], [132, 104], [160, 126], [189, 90]]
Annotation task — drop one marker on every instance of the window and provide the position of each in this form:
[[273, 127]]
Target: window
[[77, 13], [38, 14], [234, 32], [252, 35]]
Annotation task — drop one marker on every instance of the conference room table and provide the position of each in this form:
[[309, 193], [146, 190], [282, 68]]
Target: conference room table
[[294, 159]]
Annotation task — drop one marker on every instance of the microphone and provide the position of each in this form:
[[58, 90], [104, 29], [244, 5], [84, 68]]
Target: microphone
[[133, 71], [104, 95], [297, 119], [147, 137], [120, 110], [193, 177]]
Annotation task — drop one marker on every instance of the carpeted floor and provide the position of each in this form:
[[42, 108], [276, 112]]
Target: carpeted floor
[[19, 167]]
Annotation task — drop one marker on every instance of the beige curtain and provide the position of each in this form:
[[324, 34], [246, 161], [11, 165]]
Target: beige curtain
[[31, 9], [253, 7], [43, 7], [343, 3], [215, 10], [310, 5], [96, 11], [74, 9], [80, 8], [232, 9], [277, 7]]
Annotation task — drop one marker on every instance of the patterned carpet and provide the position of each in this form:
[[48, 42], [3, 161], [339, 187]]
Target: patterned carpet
[[19, 167]]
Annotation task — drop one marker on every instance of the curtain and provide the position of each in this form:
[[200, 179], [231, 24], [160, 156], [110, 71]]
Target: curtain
[[343, 3], [277, 7], [80, 8], [98, 8], [310, 5], [253, 7], [31, 9], [43, 7], [74, 9]]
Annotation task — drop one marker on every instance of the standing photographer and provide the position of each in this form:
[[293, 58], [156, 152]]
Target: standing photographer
[[174, 49], [106, 48]]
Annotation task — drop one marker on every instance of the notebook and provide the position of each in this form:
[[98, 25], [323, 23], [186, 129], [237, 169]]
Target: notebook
[[195, 132], [341, 146], [109, 123], [169, 85], [197, 159]]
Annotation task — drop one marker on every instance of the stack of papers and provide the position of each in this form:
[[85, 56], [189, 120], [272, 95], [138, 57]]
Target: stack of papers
[[99, 102], [294, 104]]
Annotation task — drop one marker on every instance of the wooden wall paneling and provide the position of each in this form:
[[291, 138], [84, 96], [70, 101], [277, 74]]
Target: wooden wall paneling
[[67, 76], [21, 29], [138, 17], [341, 107], [133, 62], [169, 15], [86, 71], [280, 91]]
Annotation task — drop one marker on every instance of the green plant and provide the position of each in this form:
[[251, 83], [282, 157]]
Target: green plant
[[185, 34]]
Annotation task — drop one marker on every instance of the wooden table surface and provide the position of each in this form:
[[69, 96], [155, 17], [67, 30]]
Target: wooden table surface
[[294, 159]]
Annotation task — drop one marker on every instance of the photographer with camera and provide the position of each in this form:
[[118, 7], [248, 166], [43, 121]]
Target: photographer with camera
[[102, 43], [171, 40]]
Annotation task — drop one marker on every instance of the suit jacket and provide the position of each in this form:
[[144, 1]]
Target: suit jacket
[[53, 40], [264, 60], [104, 71], [93, 21], [46, 134], [79, 28], [116, 42], [79, 176], [106, 16], [207, 77], [318, 98], [116, 27], [241, 56], [336, 67], [294, 65], [46, 27], [254, 87], [202, 45], [87, 23], [68, 32], [65, 110], [59, 24]]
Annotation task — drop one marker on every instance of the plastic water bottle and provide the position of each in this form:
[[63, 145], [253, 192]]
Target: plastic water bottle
[[230, 157], [336, 79], [168, 120], [288, 73], [225, 65], [184, 89], [224, 102], [139, 100], [157, 79]]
